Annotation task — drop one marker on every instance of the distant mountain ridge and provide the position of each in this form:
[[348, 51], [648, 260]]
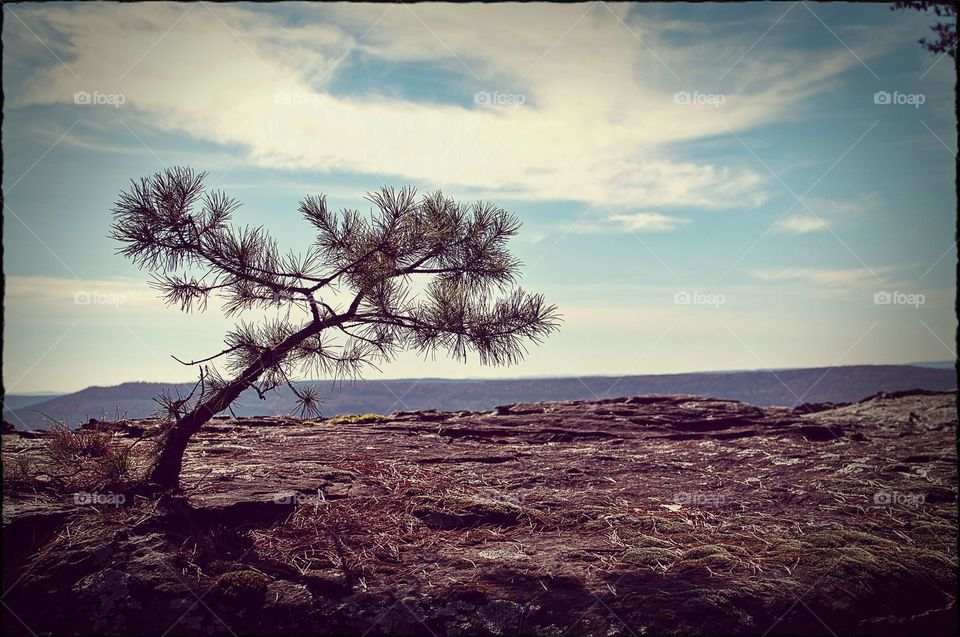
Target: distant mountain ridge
[[762, 388], [13, 402]]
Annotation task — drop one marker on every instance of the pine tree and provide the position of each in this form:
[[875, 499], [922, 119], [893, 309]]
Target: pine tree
[[345, 303]]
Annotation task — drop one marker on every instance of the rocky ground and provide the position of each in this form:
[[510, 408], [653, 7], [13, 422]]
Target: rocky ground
[[632, 516]]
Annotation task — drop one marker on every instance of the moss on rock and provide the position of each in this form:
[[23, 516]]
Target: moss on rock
[[246, 587], [354, 419]]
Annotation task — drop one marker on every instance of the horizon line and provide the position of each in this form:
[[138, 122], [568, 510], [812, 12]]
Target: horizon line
[[508, 378]]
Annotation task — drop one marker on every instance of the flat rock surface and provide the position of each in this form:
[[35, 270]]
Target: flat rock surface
[[641, 515]]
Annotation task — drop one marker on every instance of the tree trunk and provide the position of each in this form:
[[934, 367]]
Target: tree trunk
[[165, 472]]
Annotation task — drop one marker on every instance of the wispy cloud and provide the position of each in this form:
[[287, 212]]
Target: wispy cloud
[[649, 221], [826, 276], [822, 213], [63, 292], [801, 224], [629, 222]]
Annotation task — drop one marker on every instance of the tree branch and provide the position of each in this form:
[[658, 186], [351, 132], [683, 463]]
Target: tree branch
[[209, 358]]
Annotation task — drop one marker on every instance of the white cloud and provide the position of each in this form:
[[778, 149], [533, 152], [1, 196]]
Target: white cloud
[[594, 128], [801, 225], [822, 213], [649, 221], [629, 222], [826, 276]]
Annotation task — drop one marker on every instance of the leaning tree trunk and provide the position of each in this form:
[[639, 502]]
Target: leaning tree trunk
[[165, 472]]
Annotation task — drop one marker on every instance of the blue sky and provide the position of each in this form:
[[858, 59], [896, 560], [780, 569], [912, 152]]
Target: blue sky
[[735, 156]]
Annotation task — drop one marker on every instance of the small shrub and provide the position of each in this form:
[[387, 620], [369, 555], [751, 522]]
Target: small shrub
[[64, 446], [18, 471], [115, 466]]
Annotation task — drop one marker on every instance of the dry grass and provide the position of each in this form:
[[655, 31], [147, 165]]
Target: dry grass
[[66, 461], [19, 473], [395, 509], [65, 446], [402, 521]]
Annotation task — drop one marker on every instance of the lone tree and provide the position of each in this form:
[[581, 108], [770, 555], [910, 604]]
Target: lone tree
[[421, 273]]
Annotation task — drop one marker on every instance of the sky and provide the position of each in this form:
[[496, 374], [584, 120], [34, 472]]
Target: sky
[[702, 186]]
